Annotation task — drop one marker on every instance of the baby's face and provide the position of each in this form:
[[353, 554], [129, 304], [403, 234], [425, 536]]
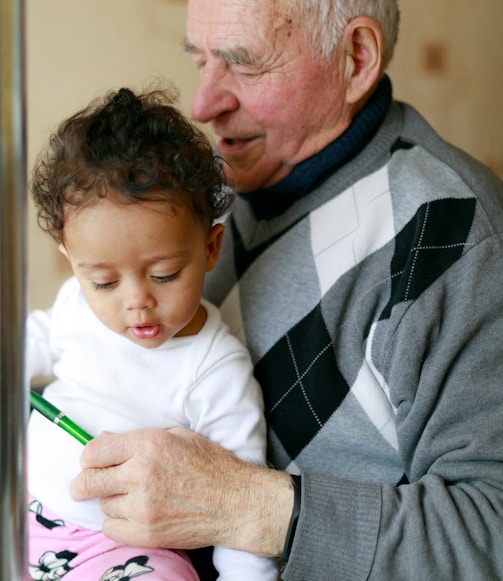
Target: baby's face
[[141, 266]]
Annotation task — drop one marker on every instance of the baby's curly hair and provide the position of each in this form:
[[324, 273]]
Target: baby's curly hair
[[140, 146]]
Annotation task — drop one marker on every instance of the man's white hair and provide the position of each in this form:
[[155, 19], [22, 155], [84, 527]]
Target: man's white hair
[[324, 21]]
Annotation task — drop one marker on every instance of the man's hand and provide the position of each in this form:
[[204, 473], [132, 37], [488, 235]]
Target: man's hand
[[176, 489]]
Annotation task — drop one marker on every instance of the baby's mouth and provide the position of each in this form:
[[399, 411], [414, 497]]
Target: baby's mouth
[[145, 331]]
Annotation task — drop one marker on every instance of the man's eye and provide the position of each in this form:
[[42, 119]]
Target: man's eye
[[199, 62], [104, 285], [248, 73]]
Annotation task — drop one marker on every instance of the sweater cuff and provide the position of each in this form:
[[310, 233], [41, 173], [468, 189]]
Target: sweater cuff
[[336, 536], [294, 519]]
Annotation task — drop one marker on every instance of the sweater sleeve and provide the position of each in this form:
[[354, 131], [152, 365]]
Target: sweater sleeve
[[442, 360]]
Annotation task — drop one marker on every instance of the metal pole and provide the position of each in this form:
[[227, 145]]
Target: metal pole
[[13, 406]]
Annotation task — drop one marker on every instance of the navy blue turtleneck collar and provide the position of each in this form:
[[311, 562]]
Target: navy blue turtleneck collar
[[270, 202]]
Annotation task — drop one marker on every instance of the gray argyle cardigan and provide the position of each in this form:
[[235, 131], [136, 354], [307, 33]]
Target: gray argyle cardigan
[[373, 310]]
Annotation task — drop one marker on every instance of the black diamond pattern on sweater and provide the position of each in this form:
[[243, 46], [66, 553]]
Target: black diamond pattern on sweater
[[290, 375], [427, 247]]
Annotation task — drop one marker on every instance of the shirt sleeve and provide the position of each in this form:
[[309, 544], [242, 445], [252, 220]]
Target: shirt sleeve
[[39, 359], [40, 352], [233, 565], [225, 402]]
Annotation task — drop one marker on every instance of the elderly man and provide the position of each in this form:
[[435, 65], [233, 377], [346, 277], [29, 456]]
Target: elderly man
[[363, 266]]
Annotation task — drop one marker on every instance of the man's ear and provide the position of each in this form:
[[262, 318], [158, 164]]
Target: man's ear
[[363, 46], [213, 244]]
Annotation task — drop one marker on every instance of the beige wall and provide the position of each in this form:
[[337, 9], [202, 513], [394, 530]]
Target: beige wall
[[448, 63], [76, 50]]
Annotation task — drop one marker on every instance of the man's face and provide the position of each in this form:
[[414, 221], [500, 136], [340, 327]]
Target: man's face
[[270, 102]]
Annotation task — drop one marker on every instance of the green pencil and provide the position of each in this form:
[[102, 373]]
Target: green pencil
[[58, 417]]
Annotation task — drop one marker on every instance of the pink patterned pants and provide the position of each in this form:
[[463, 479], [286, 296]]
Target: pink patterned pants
[[61, 550]]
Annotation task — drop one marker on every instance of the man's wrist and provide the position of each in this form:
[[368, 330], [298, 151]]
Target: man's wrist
[[292, 527]]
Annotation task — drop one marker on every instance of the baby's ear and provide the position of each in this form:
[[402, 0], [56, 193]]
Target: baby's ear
[[63, 250], [213, 244]]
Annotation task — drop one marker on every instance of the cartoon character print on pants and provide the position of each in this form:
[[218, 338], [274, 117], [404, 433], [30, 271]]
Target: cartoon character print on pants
[[132, 568], [36, 507], [52, 566]]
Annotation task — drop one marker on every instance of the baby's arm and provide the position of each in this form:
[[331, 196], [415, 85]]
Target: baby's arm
[[230, 413], [39, 359]]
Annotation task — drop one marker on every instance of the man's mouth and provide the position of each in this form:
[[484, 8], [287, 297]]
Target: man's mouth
[[145, 331], [232, 144]]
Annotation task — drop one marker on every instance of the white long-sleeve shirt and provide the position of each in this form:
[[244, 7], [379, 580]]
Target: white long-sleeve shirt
[[104, 381]]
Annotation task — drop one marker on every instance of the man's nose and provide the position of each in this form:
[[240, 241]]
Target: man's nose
[[214, 95]]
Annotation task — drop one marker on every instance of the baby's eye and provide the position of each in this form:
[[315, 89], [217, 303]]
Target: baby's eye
[[104, 285], [165, 278]]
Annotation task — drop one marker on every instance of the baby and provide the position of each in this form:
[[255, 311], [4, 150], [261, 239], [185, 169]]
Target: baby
[[134, 196]]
